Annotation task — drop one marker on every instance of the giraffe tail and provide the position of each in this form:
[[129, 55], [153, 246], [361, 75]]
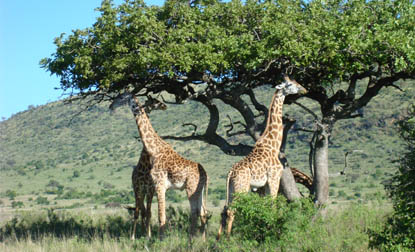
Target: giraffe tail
[[227, 189], [206, 195]]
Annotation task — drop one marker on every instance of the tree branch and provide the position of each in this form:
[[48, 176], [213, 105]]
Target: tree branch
[[210, 136], [307, 109], [194, 127], [230, 125], [240, 105]]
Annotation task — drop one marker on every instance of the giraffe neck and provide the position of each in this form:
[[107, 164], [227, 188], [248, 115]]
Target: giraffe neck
[[272, 136], [151, 140]]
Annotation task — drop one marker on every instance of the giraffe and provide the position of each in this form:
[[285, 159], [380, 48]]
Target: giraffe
[[262, 166], [168, 170]]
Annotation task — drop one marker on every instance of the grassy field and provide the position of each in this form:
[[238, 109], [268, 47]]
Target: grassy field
[[343, 228], [50, 158]]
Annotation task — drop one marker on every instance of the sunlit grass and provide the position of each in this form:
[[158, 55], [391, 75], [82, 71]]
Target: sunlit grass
[[334, 229]]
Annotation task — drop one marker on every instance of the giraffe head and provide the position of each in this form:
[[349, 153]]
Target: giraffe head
[[290, 86]]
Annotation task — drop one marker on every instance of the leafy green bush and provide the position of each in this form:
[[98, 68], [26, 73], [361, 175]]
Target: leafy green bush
[[399, 232], [42, 200], [11, 194], [76, 174], [17, 204], [177, 219], [274, 222]]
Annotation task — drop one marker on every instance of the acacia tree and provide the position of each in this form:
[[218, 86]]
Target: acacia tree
[[208, 49]]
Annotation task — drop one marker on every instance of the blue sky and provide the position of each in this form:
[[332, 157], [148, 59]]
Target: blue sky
[[27, 31]]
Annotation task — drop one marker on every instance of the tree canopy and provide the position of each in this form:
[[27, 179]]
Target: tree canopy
[[231, 44]]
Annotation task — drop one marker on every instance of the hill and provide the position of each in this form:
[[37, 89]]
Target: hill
[[52, 155]]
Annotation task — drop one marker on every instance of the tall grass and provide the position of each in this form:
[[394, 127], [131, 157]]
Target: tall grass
[[341, 229]]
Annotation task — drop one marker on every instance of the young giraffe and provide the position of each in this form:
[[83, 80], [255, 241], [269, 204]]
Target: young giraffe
[[261, 167], [169, 169]]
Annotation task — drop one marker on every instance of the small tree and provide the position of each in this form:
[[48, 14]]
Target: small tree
[[399, 232]]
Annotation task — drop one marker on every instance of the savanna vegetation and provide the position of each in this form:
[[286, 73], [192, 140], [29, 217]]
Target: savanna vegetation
[[66, 165]]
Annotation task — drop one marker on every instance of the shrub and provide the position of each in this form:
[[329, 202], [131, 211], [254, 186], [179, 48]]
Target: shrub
[[177, 219], [42, 200], [76, 174], [17, 204], [274, 222], [399, 232], [11, 194]]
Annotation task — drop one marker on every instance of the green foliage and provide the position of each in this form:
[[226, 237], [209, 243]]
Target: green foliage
[[178, 219], [42, 200], [275, 222], [343, 229], [54, 187], [35, 226], [156, 45], [11, 194], [76, 174], [174, 196], [17, 204], [399, 232]]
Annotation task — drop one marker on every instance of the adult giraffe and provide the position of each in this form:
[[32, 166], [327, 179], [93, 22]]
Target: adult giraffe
[[262, 166], [169, 169]]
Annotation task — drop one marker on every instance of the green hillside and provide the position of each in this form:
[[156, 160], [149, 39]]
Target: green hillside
[[51, 155]]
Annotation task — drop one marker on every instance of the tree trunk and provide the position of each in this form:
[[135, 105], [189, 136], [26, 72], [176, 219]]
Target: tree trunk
[[321, 172], [288, 185]]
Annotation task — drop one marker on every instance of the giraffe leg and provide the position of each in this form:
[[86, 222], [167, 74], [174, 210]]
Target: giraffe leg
[[224, 217], [274, 182], [195, 200], [138, 206], [242, 187], [148, 214], [143, 212], [193, 221], [161, 198], [203, 209], [229, 221], [136, 213]]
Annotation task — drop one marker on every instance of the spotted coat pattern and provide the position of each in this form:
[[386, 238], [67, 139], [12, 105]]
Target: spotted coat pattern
[[262, 167], [161, 168]]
